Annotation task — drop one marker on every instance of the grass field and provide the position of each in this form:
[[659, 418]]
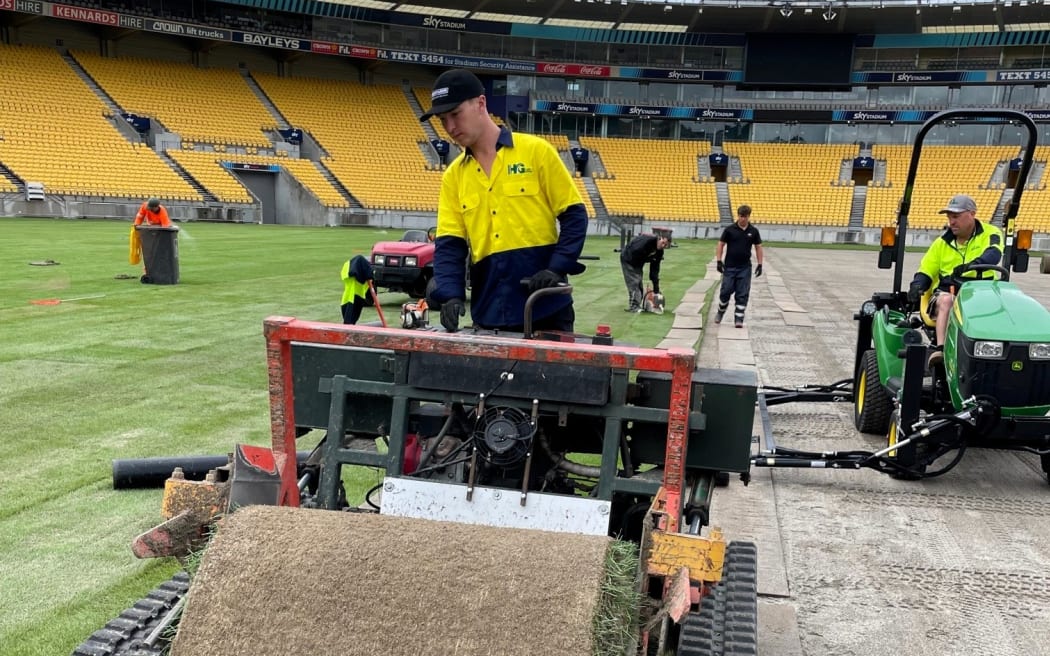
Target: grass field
[[134, 370]]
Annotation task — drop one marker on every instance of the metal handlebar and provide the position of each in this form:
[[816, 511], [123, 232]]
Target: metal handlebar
[[561, 288]]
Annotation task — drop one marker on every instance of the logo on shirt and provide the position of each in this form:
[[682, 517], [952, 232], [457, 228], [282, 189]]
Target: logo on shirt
[[518, 168]]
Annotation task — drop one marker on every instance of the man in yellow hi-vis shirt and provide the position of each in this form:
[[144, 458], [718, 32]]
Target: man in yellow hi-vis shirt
[[509, 201], [966, 241]]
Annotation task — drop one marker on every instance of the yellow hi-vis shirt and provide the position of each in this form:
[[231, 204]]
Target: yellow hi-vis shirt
[[509, 218], [352, 286], [945, 254]]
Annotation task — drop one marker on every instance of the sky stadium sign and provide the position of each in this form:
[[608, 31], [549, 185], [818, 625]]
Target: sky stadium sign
[[642, 111]]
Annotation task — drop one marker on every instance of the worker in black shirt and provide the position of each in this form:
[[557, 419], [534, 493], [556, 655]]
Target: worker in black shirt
[[735, 244], [641, 249]]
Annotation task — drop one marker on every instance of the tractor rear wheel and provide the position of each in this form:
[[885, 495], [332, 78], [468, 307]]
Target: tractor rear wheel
[[727, 622], [871, 404], [1044, 460]]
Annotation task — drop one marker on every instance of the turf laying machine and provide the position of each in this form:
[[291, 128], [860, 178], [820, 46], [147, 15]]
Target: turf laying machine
[[508, 438], [992, 389]]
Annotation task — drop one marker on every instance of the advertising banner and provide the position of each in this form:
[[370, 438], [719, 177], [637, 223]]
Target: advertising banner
[[643, 111], [1023, 76], [919, 77]]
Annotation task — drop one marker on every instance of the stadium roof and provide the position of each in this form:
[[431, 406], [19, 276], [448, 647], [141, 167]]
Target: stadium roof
[[742, 16]]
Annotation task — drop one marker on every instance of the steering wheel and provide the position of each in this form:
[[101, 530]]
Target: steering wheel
[[981, 268]]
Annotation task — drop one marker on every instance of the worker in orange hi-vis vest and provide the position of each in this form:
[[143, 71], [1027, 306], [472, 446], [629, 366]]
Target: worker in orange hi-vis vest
[[153, 213]]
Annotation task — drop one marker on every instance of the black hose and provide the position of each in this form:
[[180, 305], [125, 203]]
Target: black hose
[[429, 453], [959, 446]]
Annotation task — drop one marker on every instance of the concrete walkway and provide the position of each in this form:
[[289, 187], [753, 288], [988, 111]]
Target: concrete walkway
[[854, 562]]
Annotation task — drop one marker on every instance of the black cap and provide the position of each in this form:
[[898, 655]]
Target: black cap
[[452, 88]]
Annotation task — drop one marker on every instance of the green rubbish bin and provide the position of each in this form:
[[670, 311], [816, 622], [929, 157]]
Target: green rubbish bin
[[160, 254]]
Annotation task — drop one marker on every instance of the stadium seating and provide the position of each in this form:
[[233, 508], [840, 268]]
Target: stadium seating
[[200, 104], [793, 183], [943, 172], [370, 134], [56, 132], [654, 178], [1034, 211], [207, 169]]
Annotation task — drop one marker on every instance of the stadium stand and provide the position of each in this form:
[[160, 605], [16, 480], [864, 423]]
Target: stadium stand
[[202, 105], [371, 142], [207, 168], [370, 135], [943, 172], [810, 171], [654, 178], [56, 132], [1034, 213], [561, 144]]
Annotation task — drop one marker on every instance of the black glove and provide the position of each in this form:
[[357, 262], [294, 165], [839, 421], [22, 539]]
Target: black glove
[[721, 267], [451, 311], [915, 292], [543, 279], [957, 272], [758, 270]]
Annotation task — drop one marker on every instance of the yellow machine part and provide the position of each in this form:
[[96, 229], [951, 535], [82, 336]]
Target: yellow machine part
[[205, 498], [703, 556]]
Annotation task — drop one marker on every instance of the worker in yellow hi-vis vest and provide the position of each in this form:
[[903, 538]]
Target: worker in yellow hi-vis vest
[[356, 274]]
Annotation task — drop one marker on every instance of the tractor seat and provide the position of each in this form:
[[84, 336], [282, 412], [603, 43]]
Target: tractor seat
[[415, 236], [924, 306]]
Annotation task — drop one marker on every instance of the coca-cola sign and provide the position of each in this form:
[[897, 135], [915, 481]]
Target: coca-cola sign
[[585, 70]]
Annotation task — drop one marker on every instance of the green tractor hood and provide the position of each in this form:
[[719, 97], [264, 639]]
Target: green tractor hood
[[1000, 310]]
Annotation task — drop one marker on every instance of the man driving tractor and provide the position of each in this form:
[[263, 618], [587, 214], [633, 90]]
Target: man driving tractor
[[966, 241]]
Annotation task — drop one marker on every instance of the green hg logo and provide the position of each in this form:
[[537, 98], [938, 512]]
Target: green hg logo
[[517, 168]]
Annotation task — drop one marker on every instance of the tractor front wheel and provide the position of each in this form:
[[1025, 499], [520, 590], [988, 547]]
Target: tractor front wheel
[[871, 404], [905, 457]]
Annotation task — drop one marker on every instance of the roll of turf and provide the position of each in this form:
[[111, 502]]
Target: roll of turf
[[288, 580]]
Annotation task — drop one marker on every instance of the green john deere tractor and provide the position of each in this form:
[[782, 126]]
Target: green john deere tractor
[[993, 388]]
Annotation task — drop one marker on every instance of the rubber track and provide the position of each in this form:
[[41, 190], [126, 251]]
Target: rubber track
[[727, 622], [124, 635]]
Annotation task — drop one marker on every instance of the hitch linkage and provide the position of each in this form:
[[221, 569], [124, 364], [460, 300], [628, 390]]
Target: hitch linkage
[[935, 436]]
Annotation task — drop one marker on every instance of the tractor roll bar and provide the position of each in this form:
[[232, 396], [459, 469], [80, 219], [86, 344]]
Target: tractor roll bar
[[972, 115]]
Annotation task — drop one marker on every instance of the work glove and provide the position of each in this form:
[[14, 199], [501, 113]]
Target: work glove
[[543, 279], [758, 270], [721, 267], [451, 311], [915, 292]]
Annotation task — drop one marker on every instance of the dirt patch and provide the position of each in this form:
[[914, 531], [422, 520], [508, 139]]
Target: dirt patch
[[283, 580]]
